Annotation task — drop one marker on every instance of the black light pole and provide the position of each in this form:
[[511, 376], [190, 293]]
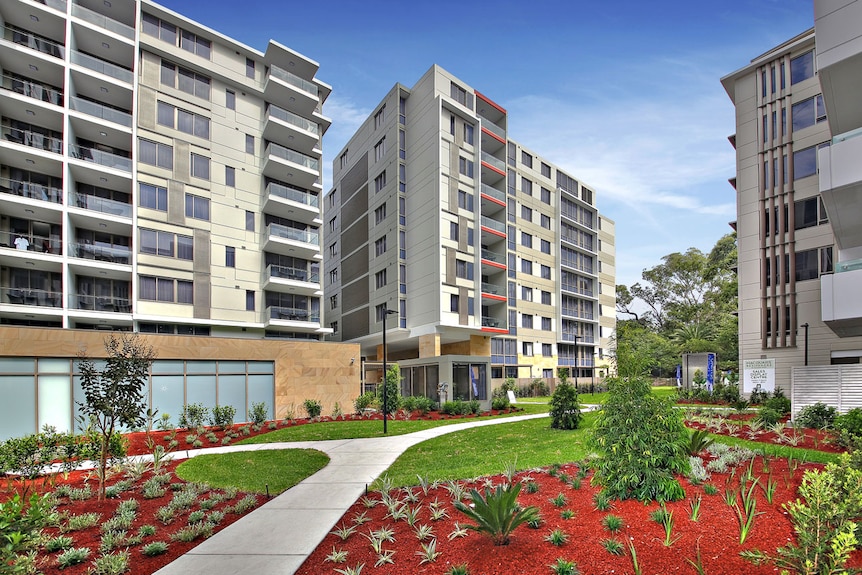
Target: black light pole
[[577, 337], [805, 325], [386, 312], [593, 380]]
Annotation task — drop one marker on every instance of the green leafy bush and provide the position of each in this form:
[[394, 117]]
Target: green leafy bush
[[391, 387], [223, 416], [565, 410], [21, 523], [644, 443], [418, 403], [779, 402], [456, 407], [849, 427], [259, 413], [500, 399], [817, 416], [767, 416], [498, 513], [698, 442], [364, 401], [194, 415], [313, 407]]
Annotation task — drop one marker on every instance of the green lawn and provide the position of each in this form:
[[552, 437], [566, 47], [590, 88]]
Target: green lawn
[[254, 471]]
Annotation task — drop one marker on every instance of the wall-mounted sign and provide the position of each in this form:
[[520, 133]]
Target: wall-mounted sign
[[758, 374]]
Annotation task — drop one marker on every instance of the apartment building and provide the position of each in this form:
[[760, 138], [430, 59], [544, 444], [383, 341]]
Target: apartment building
[[799, 221], [489, 257], [159, 177]]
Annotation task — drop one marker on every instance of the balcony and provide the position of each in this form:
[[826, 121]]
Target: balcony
[[29, 242], [494, 193], [840, 304], [283, 87], [291, 314], [32, 139], [32, 89], [284, 126], [110, 304], [32, 297], [103, 253], [492, 224], [55, 4], [102, 21], [105, 159], [291, 280], [488, 321], [841, 187], [292, 203], [100, 111], [31, 190], [103, 67], [103, 205], [492, 256], [285, 240], [490, 160], [290, 166], [839, 62], [33, 41]]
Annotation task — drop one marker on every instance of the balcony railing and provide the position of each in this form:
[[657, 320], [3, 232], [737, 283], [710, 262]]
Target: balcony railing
[[494, 128], [294, 80], [576, 242], [100, 111], [292, 314], [293, 119], [280, 231], [571, 264], [290, 273], [113, 254], [28, 296], [104, 205], [493, 256], [33, 89], [55, 4], [572, 288], [31, 190], [490, 288], [491, 160], [490, 321], [32, 139], [100, 303], [573, 312], [493, 192], [493, 224], [571, 336], [848, 266], [102, 21], [102, 67], [102, 158], [34, 42], [31, 242], [293, 194], [293, 156]]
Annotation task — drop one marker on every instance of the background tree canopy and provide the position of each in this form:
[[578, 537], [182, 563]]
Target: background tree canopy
[[686, 304]]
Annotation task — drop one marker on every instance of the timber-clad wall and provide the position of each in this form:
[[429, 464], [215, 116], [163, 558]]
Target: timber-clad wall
[[303, 369]]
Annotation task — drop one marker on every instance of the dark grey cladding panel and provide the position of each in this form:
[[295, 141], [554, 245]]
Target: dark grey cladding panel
[[354, 178], [355, 235], [355, 208], [355, 295], [354, 324], [355, 265]]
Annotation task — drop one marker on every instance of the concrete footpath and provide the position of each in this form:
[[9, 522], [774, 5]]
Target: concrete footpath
[[277, 537]]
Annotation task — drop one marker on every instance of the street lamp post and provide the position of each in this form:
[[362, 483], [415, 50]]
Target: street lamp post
[[805, 325], [593, 380], [386, 312], [577, 370]]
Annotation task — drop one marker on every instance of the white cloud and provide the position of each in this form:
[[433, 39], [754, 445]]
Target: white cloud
[[346, 118]]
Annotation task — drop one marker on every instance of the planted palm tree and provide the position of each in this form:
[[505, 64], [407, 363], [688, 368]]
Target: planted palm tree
[[497, 514]]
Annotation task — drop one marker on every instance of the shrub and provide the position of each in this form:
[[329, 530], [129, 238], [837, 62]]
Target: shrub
[[474, 406], [73, 556], [768, 416], [223, 416], [194, 415], [391, 387], [22, 522], [418, 403], [698, 442], [565, 411], [155, 548], [364, 401], [498, 513], [500, 399], [849, 427], [312, 407], [259, 413], [817, 416], [456, 407], [778, 402], [643, 439]]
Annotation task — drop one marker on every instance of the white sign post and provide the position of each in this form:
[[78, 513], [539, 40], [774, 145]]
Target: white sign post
[[758, 374]]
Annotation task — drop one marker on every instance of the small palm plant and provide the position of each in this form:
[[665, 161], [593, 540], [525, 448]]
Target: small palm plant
[[497, 514]]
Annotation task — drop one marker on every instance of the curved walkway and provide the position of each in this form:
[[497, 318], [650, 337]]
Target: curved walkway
[[277, 537]]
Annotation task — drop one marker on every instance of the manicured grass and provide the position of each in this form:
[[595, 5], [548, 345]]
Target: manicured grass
[[775, 450], [254, 471], [352, 429], [596, 398], [487, 450]]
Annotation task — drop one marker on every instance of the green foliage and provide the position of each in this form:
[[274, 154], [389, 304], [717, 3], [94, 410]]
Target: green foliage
[[849, 428], [74, 556], [817, 416], [418, 403], [778, 402], [313, 407], [392, 388], [154, 548], [194, 415], [459, 407], [498, 513], [500, 398], [223, 416], [364, 401], [21, 523], [564, 567], [259, 413], [698, 442], [612, 523], [643, 440], [767, 416], [823, 520], [565, 410], [557, 538]]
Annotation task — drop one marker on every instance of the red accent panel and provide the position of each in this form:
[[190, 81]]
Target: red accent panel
[[488, 100], [490, 167]]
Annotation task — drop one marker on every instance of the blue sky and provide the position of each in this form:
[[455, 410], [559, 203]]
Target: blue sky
[[624, 95]]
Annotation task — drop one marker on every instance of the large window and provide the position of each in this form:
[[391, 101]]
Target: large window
[[166, 290], [809, 212], [465, 167], [156, 154], [197, 207], [380, 246], [183, 120], [200, 167], [167, 32], [464, 270], [802, 67], [153, 197], [808, 112], [185, 80], [805, 163]]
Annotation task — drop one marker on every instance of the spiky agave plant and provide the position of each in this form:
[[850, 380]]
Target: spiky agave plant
[[497, 514]]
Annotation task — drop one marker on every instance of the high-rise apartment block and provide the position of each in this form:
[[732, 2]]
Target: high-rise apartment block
[[496, 262], [159, 177], [799, 207]]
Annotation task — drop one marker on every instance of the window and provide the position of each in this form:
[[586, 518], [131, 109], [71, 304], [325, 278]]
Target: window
[[380, 246], [546, 324], [547, 351], [526, 213], [545, 221], [465, 200], [402, 211], [380, 214], [468, 133], [182, 120], [230, 257], [185, 292], [162, 289], [454, 231], [454, 302], [195, 44], [229, 176], [249, 68], [460, 95], [805, 163], [546, 247], [185, 80], [464, 270], [826, 260], [343, 160], [526, 159], [808, 112], [380, 279], [465, 167], [526, 293], [249, 144], [546, 272], [805, 213], [402, 145], [402, 110], [402, 278], [379, 117], [153, 26], [156, 154], [200, 167], [527, 267], [333, 301], [153, 197], [380, 182], [230, 99], [333, 249], [526, 240], [546, 196], [379, 149], [333, 224], [197, 207], [546, 170], [185, 248], [807, 265], [526, 187], [157, 243], [546, 297], [802, 67], [527, 321], [249, 300], [333, 276], [249, 221]]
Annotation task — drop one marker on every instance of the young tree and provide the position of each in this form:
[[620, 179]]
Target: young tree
[[565, 409], [392, 389], [114, 394]]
